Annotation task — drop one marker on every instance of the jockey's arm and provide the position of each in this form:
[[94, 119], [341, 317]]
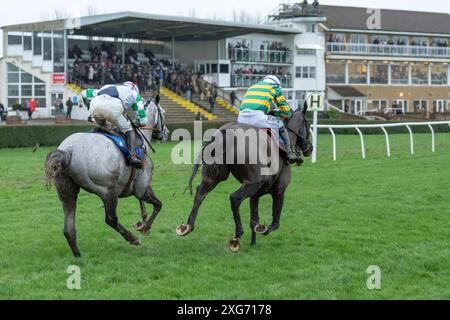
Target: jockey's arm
[[284, 111], [139, 108]]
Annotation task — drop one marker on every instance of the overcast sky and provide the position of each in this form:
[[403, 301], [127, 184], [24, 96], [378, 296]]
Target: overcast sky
[[14, 12]]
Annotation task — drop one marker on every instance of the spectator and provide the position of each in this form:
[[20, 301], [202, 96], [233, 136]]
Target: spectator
[[69, 105], [212, 101], [233, 98], [189, 92], [32, 108], [2, 111]]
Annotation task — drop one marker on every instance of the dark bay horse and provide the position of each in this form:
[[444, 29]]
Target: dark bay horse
[[254, 184]]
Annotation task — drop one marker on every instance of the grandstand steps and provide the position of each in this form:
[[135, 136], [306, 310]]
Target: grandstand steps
[[179, 109], [221, 110]]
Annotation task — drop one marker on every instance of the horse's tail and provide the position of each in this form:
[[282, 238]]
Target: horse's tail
[[195, 170], [211, 169], [57, 162]]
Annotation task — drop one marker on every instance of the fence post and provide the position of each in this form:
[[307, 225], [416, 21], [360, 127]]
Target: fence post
[[411, 138], [363, 147], [315, 142], [334, 143], [433, 140], [388, 144]]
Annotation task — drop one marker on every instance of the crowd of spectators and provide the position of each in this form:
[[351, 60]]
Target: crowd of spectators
[[261, 71], [273, 52], [402, 41], [101, 65]]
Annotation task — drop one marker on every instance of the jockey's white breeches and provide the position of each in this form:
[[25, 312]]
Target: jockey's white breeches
[[115, 107], [260, 120]]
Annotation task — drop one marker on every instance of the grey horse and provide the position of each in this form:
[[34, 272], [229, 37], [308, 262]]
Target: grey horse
[[254, 184], [92, 162]]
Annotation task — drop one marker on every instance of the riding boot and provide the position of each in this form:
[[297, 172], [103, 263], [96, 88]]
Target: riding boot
[[134, 160], [292, 156]]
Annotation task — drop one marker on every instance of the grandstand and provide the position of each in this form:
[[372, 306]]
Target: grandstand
[[401, 71]]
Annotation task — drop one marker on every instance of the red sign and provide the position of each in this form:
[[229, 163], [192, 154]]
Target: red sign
[[59, 79]]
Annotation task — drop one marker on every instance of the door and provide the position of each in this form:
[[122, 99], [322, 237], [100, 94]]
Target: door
[[358, 108], [402, 106], [441, 106]]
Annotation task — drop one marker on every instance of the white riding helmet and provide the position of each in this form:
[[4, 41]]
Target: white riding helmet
[[273, 79], [132, 86]]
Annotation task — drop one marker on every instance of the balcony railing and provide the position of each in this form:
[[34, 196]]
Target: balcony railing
[[261, 56], [246, 80], [387, 50]]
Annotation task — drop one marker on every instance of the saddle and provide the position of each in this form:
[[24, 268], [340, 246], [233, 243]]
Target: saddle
[[276, 139], [273, 135], [120, 143]]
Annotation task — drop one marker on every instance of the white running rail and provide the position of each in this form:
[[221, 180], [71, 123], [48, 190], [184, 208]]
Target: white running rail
[[383, 127]]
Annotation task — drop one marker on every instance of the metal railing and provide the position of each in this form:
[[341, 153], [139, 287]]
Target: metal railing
[[246, 80], [261, 56], [387, 50], [383, 128]]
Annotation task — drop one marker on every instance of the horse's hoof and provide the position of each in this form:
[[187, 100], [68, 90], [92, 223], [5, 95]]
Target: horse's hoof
[[145, 233], [184, 230], [138, 226], [235, 245], [135, 242], [259, 229]]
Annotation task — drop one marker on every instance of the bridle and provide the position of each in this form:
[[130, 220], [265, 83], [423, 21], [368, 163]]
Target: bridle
[[303, 142]]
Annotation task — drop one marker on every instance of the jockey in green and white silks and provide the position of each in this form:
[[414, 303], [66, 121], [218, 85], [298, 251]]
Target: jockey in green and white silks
[[117, 100], [256, 110]]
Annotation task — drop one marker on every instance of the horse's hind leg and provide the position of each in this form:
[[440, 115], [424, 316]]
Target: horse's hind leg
[[68, 195], [147, 224], [277, 207], [207, 185], [236, 199], [112, 220]]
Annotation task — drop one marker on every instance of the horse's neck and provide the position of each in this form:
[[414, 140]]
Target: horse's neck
[[294, 125]]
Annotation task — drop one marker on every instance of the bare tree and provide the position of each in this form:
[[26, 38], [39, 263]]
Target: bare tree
[[92, 11], [241, 16], [57, 14], [192, 13]]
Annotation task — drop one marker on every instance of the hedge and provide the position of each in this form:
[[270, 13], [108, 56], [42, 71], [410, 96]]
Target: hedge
[[22, 136], [53, 135]]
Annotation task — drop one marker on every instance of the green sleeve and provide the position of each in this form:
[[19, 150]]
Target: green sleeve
[[283, 107]]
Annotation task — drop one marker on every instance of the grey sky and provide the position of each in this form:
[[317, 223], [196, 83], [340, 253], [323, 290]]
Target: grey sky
[[15, 12]]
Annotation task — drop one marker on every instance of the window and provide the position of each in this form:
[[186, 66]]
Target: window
[[419, 74], [13, 90], [39, 90], [305, 72], [357, 73], [306, 52], [420, 105], [14, 39], [310, 28], [379, 73], [27, 78], [380, 39], [400, 74], [13, 78], [439, 74], [27, 42], [22, 86], [214, 68], [379, 105], [37, 43], [47, 46], [58, 52], [336, 37], [336, 72], [224, 68]]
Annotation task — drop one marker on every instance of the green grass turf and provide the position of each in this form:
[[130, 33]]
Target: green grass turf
[[339, 218]]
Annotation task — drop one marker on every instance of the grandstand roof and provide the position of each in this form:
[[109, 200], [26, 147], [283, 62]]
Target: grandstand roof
[[153, 27], [355, 18]]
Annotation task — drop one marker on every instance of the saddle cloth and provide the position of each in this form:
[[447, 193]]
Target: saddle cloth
[[120, 144]]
